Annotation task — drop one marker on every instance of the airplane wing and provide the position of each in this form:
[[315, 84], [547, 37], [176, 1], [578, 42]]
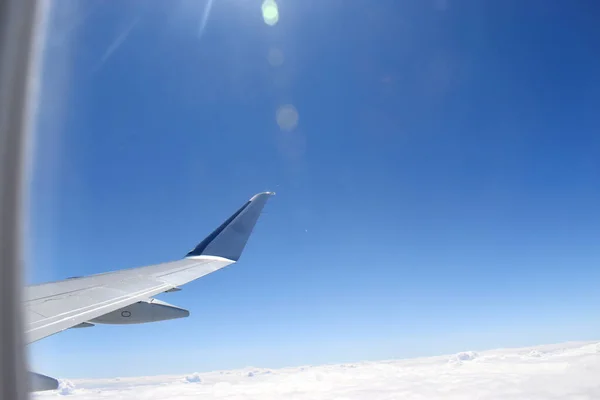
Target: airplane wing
[[125, 297]]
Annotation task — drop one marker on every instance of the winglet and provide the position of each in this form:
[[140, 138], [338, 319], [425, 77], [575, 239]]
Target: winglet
[[229, 239]]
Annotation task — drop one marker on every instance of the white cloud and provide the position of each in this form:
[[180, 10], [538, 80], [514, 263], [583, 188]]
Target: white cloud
[[461, 357], [65, 387], [193, 378], [566, 371]]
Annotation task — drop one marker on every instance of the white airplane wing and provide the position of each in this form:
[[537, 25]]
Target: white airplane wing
[[125, 296]]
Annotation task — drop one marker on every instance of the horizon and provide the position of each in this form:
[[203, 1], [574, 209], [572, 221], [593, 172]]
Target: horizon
[[441, 376]]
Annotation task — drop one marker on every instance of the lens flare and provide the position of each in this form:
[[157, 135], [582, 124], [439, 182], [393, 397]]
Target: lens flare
[[270, 12]]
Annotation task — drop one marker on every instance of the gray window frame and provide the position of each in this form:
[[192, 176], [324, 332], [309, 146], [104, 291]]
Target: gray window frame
[[22, 24]]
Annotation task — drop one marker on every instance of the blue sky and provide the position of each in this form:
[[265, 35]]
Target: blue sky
[[439, 193]]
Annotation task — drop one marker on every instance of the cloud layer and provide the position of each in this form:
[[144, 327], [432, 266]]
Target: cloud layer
[[565, 371]]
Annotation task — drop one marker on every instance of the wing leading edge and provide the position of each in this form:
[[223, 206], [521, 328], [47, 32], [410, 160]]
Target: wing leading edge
[[53, 307]]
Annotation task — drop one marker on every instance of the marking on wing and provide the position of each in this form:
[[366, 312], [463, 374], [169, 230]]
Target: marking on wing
[[51, 296]]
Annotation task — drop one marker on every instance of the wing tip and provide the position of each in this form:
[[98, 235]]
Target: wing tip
[[261, 194]]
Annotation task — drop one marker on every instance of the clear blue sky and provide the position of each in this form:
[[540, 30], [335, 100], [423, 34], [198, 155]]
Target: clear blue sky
[[440, 192]]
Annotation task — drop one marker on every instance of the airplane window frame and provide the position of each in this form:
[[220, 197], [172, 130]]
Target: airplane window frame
[[22, 24]]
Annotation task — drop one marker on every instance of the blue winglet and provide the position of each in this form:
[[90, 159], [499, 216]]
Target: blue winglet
[[229, 239]]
